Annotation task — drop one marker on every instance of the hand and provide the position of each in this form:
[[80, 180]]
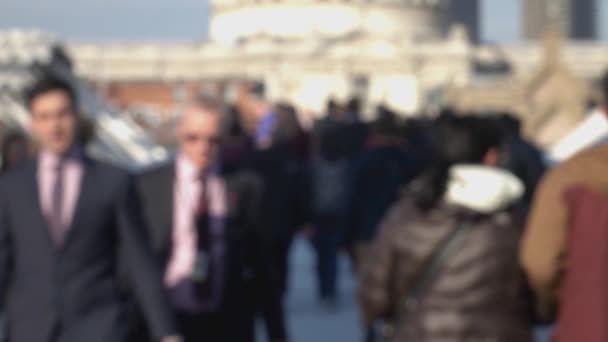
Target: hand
[[172, 338]]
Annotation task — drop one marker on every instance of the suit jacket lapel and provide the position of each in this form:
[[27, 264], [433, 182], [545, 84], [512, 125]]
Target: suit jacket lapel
[[85, 194], [156, 196], [33, 193], [166, 208]]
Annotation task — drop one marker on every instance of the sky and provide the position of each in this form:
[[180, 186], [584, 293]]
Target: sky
[[129, 20]]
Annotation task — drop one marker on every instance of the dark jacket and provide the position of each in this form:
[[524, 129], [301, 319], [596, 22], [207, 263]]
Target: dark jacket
[[285, 199], [378, 178], [76, 288], [248, 274], [332, 139], [477, 295], [525, 161]]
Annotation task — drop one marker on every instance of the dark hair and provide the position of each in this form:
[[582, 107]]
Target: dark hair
[[458, 140], [233, 126], [504, 123], [11, 138], [48, 84], [258, 89], [354, 105], [604, 86], [288, 126], [387, 123], [511, 123], [331, 106]]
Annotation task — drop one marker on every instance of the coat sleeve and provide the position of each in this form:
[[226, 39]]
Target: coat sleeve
[[374, 292], [544, 241], [145, 275], [6, 250]]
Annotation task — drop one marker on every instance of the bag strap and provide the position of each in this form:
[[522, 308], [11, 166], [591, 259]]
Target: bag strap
[[430, 270]]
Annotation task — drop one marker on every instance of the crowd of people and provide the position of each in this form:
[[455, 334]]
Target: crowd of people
[[431, 212]]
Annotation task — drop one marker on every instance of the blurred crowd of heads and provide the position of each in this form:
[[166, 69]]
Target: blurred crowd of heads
[[387, 122]]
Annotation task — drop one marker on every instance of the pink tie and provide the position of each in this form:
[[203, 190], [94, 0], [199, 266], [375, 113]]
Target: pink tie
[[55, 222]]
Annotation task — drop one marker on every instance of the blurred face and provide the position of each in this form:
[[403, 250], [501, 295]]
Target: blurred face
[[339, 113], [491, 158], [54, 121], [199, 137], [260, 108]]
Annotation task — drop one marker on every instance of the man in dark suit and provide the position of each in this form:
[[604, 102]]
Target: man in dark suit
[[66, 223], [204, 226]]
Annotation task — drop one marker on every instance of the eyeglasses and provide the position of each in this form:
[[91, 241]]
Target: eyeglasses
[[194, 138]]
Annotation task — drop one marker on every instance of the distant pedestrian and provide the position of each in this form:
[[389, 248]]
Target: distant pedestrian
[[338, 139], [282, 165], [380, 175]]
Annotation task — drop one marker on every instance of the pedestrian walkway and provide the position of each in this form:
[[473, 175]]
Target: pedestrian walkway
[[308, 321]]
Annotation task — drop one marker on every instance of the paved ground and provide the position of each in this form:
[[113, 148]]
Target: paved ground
[[308, 322]]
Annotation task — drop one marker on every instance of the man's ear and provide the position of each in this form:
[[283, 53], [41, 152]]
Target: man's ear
[[491, 157]]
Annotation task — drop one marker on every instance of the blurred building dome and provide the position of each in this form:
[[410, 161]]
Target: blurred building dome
[[236, 20]]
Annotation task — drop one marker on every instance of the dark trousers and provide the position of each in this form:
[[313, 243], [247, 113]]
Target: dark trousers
[[327, 240], [208, 327], [280, 249], [58, 334], [235, 325]]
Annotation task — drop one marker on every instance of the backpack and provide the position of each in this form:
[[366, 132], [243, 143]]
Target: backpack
[[583, 312], [329, 192]]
